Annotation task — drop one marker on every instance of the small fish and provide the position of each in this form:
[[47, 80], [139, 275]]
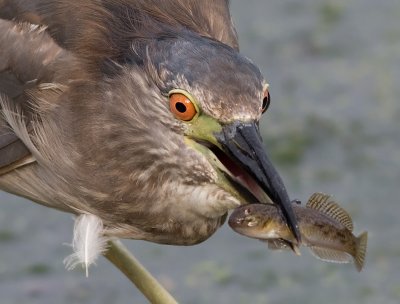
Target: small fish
[[325, 228]]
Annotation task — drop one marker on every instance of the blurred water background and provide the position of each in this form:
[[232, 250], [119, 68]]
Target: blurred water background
[[333, 126]]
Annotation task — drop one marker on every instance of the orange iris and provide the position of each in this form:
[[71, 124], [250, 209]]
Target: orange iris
[[181, 106]]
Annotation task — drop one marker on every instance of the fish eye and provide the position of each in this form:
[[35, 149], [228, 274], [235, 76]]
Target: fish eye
[[247, 211]]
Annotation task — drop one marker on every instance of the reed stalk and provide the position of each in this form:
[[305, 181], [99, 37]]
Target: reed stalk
[[124, 260]]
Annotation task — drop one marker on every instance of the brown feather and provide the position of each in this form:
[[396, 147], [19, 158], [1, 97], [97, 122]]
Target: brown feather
[[95, 23], [89, 131]]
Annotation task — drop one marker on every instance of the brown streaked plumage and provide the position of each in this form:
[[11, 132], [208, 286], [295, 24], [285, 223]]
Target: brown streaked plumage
[[84, 101]]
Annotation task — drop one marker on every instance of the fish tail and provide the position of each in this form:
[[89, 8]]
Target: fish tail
[[361, 248]]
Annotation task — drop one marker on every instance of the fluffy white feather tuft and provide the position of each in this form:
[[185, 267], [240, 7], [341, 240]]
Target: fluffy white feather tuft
[[88, 242]]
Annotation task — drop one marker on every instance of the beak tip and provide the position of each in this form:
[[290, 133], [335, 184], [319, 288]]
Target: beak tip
[[291, 219], [294, 228], [297, 234], [242, 142]]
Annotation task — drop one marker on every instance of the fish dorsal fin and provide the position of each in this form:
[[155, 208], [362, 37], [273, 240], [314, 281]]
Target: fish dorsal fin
[[325, 204], [330, 255]]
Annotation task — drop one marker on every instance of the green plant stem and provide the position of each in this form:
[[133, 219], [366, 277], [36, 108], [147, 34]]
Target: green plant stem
[[123, 259]]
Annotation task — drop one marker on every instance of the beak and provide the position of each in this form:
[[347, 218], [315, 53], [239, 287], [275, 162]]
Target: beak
[[242, 142]]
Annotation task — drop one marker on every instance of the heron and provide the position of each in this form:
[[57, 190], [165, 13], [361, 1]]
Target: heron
[[141, 112]]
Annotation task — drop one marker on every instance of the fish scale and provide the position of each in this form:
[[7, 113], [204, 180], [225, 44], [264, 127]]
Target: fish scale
[[325, 227]]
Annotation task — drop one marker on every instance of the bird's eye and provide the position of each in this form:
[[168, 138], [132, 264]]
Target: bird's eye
[[181, 106], [266, 101]]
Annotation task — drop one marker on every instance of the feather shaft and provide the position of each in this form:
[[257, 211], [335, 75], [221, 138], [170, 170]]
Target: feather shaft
[[88, 242]]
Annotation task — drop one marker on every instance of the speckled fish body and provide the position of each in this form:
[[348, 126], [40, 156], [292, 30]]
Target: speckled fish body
[[325, 228]]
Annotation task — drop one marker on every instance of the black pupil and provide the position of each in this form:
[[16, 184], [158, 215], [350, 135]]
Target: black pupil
[[180, 107]]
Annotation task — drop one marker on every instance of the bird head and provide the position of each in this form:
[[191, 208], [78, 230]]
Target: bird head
[[209, 100]]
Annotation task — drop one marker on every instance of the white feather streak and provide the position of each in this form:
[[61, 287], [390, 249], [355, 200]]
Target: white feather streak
[[88, 242]]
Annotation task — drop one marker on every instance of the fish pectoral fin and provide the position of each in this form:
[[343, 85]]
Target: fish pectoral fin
[[330, 255], [325, 204], [281, 244], [278, 244]]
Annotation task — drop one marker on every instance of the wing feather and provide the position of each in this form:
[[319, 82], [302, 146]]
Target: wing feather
[[22, 45]]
